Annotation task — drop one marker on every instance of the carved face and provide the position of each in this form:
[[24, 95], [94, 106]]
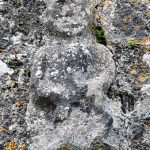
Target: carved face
[[68, 16]]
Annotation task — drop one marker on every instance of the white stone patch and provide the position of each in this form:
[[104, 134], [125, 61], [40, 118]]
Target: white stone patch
[[38, 73], [54, 73], [55, 56], [17, 39], [69, 69], [4, 69], [146, 58], [79, 79], [12, 56], [94, 86], [20, 78], [66, 108], [146, 89], [48, 87], [86, 52], [17, 56], [73, 92], [11, 24], [11, 128], [20, 56], [6, 38]]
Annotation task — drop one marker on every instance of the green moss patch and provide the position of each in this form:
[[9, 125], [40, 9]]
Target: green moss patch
[[100, 35], [132, 45], [14, 64]]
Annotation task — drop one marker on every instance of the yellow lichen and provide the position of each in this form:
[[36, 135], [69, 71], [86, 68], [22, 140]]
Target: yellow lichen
[[2, 50], [137, 28], [11, 146], [134, 3], [133, 71], [106, 2], [100, 20], [147, 73], [148, 13], [143, 41], [64, 147], [146, 126], [141, 78], [147, 147], [95, 2], [146, 49]]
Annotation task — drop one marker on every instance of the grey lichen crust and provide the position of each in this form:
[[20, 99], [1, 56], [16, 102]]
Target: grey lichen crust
[[71, 73]]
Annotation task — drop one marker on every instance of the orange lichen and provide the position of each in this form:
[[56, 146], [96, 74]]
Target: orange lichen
[[144, 76], [11, 146], [23, 146], [3, 130], [127, 19], [18, 104], [145, 41]]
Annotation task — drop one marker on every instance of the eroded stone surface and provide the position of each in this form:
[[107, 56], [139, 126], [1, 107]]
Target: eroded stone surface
[[73, 75], [67, 103], [72, 70]]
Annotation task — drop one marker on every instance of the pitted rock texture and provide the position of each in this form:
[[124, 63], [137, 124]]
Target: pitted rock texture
[[124, 20], [73, 74], [79, 129], [62, 90], [72, 70]]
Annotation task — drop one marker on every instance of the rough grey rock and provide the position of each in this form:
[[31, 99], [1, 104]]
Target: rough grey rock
[[66, 90], [124, 20]]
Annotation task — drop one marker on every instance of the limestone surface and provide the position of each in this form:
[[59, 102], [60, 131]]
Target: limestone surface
[[74, 74]]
